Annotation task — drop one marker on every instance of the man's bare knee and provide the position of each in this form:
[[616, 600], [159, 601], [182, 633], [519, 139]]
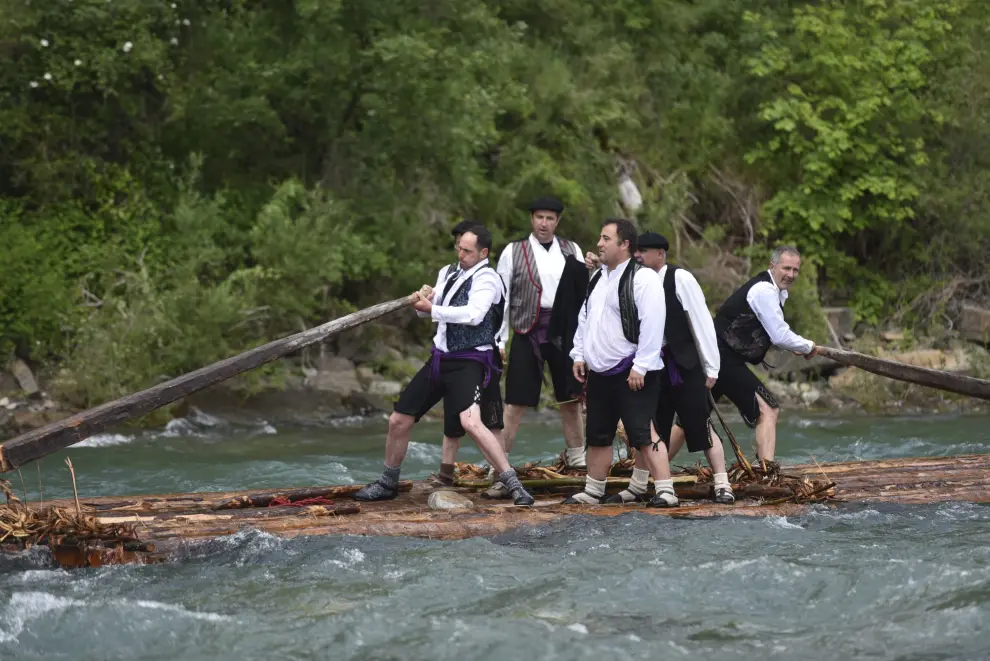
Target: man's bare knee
[[767, 412], [471, 420], [400, 421]]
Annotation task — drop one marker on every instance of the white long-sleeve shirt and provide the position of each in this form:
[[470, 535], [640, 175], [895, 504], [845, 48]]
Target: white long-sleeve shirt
[[767, 301], [599, 341], [486, 289], [692, 299], [549, 263]]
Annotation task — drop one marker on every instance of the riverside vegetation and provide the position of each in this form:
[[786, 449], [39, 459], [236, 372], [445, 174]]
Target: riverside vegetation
[[182, 181]]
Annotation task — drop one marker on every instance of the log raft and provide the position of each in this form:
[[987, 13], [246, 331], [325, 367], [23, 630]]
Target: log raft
[[168, 523]]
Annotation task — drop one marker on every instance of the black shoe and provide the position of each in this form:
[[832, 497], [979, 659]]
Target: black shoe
[[664, 499], [724, 496], [377, 490], [616, 499], [523, 498]]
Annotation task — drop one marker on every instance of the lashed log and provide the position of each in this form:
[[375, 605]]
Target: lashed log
[[923, 376], [58, 435], [235, 501]]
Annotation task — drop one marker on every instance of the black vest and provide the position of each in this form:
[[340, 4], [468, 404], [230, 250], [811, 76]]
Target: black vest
[[627, 300], [737, 326], [461, 336], [677, 330]]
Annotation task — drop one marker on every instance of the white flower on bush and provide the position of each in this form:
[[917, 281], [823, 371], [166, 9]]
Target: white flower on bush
[[44, 43], [32, 84], [47, 76], [78, 63], [127, 47], [185, 21], [175, 41]]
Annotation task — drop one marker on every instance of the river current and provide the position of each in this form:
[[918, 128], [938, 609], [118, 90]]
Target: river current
[[855, 581]]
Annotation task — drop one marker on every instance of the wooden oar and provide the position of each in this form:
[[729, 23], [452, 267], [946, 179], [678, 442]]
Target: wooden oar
[[923, 376], [740, 455], [58, 435]]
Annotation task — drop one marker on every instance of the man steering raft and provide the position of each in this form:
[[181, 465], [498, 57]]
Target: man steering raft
[[617, 349], [749, 322], [691, 367], [491, 396], [531, 269], [460, 367]]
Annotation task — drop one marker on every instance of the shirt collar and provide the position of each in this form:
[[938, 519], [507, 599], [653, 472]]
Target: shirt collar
[[618, 269], [462, 273], [536, 242]]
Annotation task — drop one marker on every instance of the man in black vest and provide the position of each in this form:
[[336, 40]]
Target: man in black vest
[[691, 367], [617, 350], [469, 313], [491, 397], [749, 322]]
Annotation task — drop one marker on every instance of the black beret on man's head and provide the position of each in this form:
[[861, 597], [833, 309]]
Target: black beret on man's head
[[548, 203], [653, 240]]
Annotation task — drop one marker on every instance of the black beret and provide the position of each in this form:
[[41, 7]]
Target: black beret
[[548, 203], [463, 226], [653, 240]]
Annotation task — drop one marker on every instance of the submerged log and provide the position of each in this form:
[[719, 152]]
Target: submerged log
[[957, 383], [58, 435]]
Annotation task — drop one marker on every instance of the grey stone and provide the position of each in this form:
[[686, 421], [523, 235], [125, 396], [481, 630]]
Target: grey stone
[[811, 396], [449, 500], [385, 388], [24, 377], [341, 383], [841, 320], [975, 324], [334, 364], [367, 376]]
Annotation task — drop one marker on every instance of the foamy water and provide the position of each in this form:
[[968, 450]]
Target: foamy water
[[858, 581]]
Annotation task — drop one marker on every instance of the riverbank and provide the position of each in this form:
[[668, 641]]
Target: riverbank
[[360, 376]]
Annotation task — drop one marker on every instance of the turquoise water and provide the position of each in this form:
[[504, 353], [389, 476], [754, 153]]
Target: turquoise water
[[856, 582]]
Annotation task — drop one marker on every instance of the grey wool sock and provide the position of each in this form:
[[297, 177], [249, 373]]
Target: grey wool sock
[[390, 476]]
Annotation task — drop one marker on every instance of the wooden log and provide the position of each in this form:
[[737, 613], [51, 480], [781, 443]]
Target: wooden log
[[58, 435], [551, 483], [957, 383], [232, 500]]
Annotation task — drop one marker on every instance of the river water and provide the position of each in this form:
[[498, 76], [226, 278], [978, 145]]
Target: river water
[[876, 582]]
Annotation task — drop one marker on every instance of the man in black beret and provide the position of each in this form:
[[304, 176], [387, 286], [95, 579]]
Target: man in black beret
[[532, 268]]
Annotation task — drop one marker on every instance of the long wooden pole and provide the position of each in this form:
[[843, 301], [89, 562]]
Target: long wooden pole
[[58, 435], [923, 376]]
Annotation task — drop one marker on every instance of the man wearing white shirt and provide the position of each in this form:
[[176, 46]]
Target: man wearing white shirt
[[531, 269], [469, 312], [691, 367], [617, 350], [491, 397], [749, 322]]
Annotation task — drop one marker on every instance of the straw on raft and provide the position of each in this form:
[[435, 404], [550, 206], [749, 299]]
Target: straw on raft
[[23, 526]]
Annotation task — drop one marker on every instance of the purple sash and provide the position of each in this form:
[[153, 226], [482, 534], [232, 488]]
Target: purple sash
[[483, 357], [671, 365], [624, 365]]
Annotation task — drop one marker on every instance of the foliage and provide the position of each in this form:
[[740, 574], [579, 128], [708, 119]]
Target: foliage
[[181, 181]]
